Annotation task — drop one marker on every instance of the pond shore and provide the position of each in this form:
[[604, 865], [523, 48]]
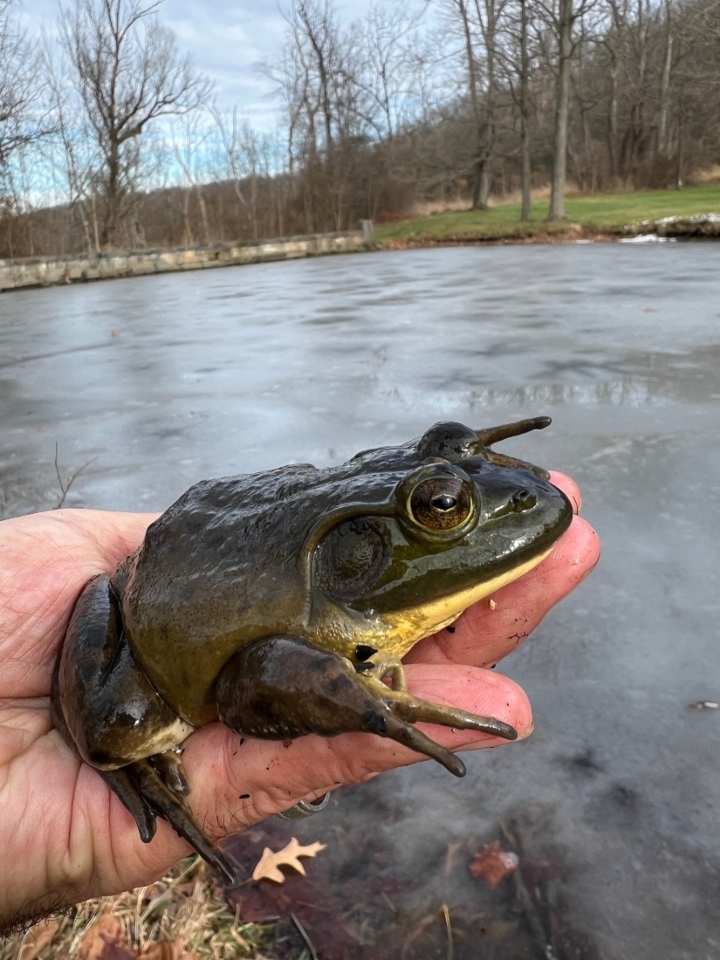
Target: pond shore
[[52, 271], [599, 216]]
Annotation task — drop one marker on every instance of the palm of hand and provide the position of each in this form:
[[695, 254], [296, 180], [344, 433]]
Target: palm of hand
[[66, 837]]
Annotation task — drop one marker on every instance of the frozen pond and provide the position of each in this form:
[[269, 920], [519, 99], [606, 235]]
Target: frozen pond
[[614, 802]]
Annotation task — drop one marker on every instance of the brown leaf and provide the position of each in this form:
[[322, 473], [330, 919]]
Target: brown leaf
[[493, 864], [105, 940], [269, 866], [36, 939]]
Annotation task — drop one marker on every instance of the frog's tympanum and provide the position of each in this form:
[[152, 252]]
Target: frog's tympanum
[[280, 602]]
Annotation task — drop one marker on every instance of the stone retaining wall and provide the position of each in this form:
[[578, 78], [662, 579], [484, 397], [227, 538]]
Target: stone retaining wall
[[47, 271]]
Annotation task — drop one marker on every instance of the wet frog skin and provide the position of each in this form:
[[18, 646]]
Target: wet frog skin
[[280, 603]]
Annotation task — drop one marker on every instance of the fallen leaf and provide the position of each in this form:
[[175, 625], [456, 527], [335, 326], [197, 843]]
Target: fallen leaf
[[105, 940], [36, 939], [650, 310], [269, 866], [493, 864]]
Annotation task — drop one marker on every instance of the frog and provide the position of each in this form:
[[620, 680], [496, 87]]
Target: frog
[[281, 604]]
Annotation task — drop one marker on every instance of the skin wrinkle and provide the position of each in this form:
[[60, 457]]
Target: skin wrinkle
[[70, 863]]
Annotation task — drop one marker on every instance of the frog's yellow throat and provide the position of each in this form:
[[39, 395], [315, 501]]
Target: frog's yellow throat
[[408, 626]]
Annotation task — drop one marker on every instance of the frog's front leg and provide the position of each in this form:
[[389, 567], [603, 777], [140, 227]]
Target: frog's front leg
[[105, 707], [283, 687]]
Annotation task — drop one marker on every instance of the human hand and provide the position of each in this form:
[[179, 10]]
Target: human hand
[[66, 837]]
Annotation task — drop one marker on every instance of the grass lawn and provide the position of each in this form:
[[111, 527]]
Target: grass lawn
[[598, 213]]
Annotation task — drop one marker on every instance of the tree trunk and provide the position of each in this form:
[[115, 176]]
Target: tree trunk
[[613, 122], [526, 208], [188, 239], [96, 229], [562, 111], [112, 198], [665, 83], [480, 184], [203, 213]]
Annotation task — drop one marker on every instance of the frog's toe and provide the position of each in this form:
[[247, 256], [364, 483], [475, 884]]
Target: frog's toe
[[409, 736], [119, 781], [412, 709], [169, 767], [172, 808], [155, 787]]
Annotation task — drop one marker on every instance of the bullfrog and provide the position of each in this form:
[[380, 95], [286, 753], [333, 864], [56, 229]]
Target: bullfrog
[[281, 603]]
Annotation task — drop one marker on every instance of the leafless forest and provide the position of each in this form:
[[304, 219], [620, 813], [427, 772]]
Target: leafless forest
[[109, 137]]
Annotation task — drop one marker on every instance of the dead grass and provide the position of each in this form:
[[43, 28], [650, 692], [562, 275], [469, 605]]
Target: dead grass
[[711, 175], [181, 917], [428, 208]]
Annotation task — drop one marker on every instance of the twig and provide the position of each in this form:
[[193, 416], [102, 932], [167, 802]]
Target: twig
[[525, 901], [446, 915], [65, 487], [167, 892], [388, 901], [306, 938]]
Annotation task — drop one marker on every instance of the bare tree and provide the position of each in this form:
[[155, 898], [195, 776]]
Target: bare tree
[[189, 148], [19, 89], [564, 17], [128, 73], [516, 57]]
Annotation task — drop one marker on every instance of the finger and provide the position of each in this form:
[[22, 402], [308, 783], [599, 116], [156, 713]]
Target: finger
[[487, 631], [568, 487]]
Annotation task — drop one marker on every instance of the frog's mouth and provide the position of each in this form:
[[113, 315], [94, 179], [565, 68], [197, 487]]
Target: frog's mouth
[[407, 627]]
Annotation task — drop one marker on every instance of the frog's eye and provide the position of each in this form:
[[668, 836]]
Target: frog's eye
[[441, 503], [438, 500]]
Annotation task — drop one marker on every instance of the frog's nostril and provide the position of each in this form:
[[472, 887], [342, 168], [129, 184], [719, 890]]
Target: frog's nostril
[[524, 500]]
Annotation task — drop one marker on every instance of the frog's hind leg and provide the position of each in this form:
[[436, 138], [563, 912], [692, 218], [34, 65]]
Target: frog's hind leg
[[105, 707], [283, 687]]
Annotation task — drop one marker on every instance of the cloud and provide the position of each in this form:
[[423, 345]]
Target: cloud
[[227, 40]]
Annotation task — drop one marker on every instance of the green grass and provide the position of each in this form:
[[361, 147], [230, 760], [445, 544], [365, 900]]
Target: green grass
[[596, 213]]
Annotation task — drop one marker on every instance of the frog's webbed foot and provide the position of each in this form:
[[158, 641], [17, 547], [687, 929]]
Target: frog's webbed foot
[[156, 787], [284, 687]]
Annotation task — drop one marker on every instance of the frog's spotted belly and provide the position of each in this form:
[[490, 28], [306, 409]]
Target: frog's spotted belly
[[411, 625]]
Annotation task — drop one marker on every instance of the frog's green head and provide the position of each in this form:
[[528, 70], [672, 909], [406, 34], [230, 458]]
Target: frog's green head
[[459, 521]]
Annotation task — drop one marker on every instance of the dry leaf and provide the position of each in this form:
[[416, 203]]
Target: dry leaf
[[493, 864], [269, 866], [105, 940], [36, 939]]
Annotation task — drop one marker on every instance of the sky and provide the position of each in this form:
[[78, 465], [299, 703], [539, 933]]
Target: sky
[[227, 40]]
